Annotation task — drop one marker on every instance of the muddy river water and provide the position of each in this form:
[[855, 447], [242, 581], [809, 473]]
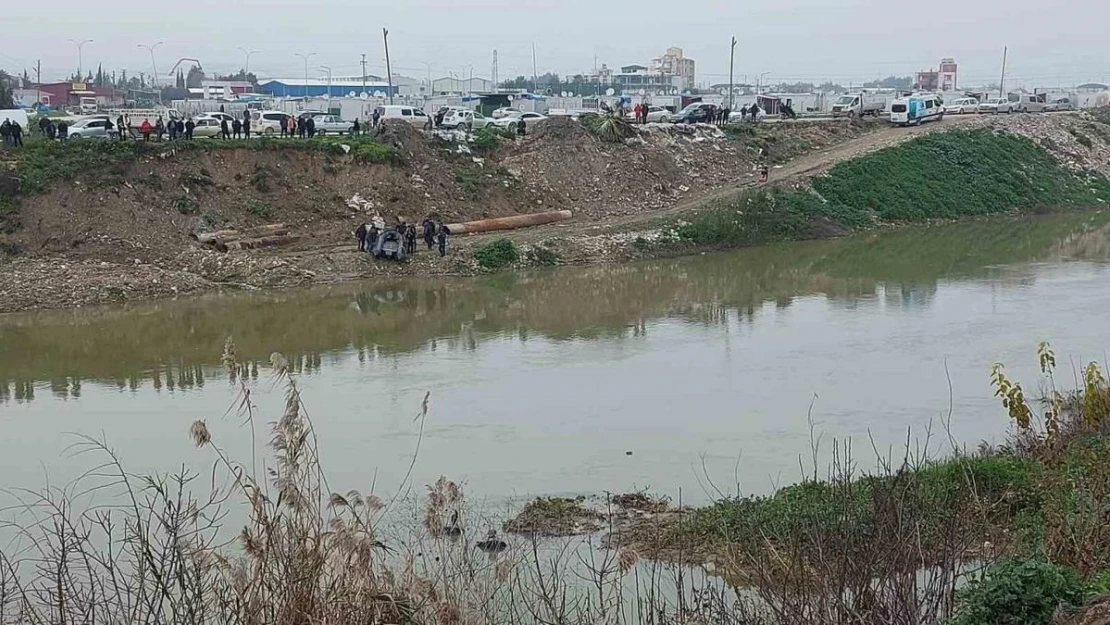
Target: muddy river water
[[655, 375]]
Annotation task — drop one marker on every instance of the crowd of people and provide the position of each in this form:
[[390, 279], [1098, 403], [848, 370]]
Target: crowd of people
[[434, 233], [12, 133]]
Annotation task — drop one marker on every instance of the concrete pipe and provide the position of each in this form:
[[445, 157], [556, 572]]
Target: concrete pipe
[[509, 223]]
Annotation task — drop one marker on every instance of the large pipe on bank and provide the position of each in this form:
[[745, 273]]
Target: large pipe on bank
[[508, 223]]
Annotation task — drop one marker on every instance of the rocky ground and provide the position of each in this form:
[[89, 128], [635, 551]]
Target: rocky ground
[[100, 239]]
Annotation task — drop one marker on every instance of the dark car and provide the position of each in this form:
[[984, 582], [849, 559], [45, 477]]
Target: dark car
[[695, 113]]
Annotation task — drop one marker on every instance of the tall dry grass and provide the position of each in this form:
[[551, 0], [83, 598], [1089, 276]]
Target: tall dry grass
[[118, 547]]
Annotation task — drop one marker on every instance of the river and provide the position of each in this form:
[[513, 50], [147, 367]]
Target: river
[[662, 375]]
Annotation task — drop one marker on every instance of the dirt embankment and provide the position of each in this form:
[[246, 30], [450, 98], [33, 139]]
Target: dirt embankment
[[123, 232]]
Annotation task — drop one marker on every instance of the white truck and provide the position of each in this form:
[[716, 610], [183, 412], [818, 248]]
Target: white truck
[[859, 104]]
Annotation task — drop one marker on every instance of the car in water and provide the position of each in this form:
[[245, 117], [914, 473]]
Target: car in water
[[995, 106], [332, 125], [961, 106], [92, 128]]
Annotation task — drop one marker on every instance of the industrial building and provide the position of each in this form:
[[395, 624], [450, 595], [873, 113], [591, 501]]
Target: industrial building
[[317, 87]]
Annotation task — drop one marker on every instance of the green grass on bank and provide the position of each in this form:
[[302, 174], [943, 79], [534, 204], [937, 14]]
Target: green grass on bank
[[39, 164], [945, 175]]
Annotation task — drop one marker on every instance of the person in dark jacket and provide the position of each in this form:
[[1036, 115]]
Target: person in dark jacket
[[121, 126], [310, 127], [441, 238], [63, 131], [429, 232], [43, 122], [16, 132], [410, 239], [225, 132], [372, 235], [237, 128], [189, 126], [355, 128], [520, 128], [159, 128], [246, 124], [6, 132], [360, 234]]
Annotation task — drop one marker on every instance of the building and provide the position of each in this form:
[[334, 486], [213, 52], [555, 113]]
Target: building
[[673, 63], [632, 79], [68, 94], [318, 87], [942, 79], [223, 89], [455, 84]]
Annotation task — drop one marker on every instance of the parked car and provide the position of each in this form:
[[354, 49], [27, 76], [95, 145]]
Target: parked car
[[511, 122], [736, 117], [408, 114], [961, 106], [217, 115], [504, 111], [206, 127], [658, 114], [694, 113], [332, 125], [1029, 103], [996, 105], [472, 120], [267, 123], [92, 128], [1060, 104]]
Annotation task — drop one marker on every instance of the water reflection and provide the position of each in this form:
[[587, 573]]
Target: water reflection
[[176, 346]]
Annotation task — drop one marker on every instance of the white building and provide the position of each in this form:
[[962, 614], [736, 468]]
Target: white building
[[673, 63], [448, 85], [226, 89]]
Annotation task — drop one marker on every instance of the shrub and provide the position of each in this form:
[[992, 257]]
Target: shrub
[[539, 255], [609, 128], [185, 205], [1081, 138], [258, 209], [470, 180], [496, 254], [1018, 592], [487, 139]]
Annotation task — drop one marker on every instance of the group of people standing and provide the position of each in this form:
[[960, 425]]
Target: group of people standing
[[51, 130], [303, 127], [12, 133], [435, 234]]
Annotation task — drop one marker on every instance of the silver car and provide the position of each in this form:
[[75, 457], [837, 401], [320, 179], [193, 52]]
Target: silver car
[[996, 105], [92, 128], [331, 125]]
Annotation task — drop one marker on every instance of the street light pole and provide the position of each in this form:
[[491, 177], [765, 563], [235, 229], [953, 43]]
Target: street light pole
[[306, 57], [247, 53], [328, 70], [154, 76], [759, 84], [79, 44], [731, 60]]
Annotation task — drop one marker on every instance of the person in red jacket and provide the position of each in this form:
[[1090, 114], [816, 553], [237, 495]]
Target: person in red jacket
[[146, 129]]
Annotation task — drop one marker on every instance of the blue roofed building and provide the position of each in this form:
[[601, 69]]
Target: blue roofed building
[[317, 87]]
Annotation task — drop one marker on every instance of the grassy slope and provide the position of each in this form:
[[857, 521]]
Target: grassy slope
[[958, 173]]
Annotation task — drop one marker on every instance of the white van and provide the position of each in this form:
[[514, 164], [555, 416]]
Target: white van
[[1030, 103], [268, 123], [916, 109], [410, 114], [16, 116]]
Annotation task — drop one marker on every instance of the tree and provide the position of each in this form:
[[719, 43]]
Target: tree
[[797, 87], [194, 77], [6, 100], [241, 75], [122, 84], [520, 82], [99, 75], [830, 87], [890, 82]]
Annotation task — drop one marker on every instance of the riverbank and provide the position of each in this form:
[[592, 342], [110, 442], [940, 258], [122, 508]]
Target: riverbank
[[128, 244]]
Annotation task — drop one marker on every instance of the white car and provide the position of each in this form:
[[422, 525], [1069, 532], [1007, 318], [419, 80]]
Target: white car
[[511, 123], [218, 116], [92, 128], [1060, 104], [504, 111], [331, 125], [267, 123], [472, 120], [408, 114], [658, 114], [996, 105], [207, 127], [961, 106]]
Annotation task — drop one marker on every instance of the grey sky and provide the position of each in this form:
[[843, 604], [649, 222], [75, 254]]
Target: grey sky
[[1062, 42]]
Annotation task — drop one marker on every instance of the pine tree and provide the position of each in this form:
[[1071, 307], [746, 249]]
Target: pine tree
[[123, 79], [99, 75], [180, 80]]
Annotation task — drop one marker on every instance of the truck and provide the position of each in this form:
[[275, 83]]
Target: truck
[[859, 104]]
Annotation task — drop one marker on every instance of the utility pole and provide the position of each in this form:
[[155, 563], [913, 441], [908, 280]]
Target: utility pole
[[1002, 81], [731, 61], [306, 57], [363, 74], [597, 75], [534, 79], [328, 70], [154, 76], [388, 70], [493, 72], [38, 81], [79, 44]]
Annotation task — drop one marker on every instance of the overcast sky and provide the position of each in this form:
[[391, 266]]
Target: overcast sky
[[1051, 43]]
